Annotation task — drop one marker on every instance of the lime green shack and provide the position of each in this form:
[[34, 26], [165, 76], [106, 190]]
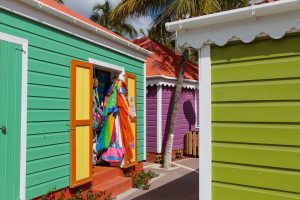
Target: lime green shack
[[249, 81], [48, 55]]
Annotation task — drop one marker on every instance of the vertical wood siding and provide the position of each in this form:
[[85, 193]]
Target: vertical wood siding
[[186, 117], [151, 119], [50, 53], [256, 120]]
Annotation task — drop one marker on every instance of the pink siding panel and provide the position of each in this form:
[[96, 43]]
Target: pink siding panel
[[151, 119], [186, 117]]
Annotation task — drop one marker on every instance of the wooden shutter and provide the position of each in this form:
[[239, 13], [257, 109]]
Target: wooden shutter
[[81, 122], [131, 84]]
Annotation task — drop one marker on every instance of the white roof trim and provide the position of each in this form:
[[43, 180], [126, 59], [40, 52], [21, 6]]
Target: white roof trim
[[170, 78], [271, 19], [53, 18], [40, 5], [170, 82]]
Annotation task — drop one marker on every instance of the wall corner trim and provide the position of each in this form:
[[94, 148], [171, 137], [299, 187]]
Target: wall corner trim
[[205, 160], [159, 119]]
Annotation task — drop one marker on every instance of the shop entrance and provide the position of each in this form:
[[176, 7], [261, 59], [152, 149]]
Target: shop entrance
[[84, 136]]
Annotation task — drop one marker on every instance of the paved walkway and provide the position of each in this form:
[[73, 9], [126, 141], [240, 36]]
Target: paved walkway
[[179, 183]]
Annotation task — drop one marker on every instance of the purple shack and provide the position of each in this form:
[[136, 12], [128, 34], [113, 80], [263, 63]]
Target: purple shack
[[162, 71]]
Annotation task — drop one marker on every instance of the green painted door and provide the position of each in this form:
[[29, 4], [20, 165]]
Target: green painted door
[[256, 120], [10, 119]]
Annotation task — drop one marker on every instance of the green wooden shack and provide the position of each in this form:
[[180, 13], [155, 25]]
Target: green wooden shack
[[249, 81], [48, 55]]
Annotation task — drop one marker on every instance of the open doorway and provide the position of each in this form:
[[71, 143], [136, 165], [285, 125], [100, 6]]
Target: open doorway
[[82, 117], [119, 147], [104, 77]]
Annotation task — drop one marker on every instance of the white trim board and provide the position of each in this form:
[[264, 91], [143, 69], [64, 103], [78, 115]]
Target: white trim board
[[145, 113], [23, 134], [273, 19], [108, 67], [171, 82], [82, 24], [205, 158], [72, 27], [159, 119]]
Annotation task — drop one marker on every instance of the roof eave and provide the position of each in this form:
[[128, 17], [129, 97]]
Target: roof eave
[[234, 15], [82, 24]]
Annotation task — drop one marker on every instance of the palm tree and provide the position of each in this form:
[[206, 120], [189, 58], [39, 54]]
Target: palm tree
[[102, 15], [60, 1], [166, 11]]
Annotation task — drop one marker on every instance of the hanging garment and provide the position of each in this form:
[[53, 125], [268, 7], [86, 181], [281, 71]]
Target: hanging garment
[[104, 138], [110, 111], [115, 151], [98, 115], [126, 130], [116, 105]]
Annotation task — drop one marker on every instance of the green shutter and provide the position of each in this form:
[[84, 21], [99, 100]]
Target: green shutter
[[10, 118]]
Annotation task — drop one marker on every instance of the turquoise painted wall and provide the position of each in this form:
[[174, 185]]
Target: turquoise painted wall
[[48, 140], [256, 120]]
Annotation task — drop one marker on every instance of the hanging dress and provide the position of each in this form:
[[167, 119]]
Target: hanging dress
[[111, 110], [117, 108]]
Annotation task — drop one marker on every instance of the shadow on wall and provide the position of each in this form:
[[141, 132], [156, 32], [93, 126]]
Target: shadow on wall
[[189, 114], [151, 91]]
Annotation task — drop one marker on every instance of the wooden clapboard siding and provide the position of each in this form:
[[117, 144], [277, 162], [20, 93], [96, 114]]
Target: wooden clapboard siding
[[50, 54], [256, 121], [186, 118], [151, 119]]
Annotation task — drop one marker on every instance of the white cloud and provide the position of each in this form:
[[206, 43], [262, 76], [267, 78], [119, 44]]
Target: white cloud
[[85, 8]]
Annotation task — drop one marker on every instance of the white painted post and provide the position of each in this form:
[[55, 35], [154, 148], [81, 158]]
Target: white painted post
[[159, 119], [205, 157]]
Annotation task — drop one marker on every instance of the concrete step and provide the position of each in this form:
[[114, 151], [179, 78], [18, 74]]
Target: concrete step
[[115, 186], [103, 174]]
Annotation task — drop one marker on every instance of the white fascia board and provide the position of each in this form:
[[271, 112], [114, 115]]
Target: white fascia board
[[65, 16], [107, 66], [235, 15], [79, 29], [271, 19], [170, 78], [170, 81], [23, 134]]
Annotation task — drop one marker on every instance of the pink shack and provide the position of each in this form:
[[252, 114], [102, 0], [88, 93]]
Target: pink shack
[[162, 71]]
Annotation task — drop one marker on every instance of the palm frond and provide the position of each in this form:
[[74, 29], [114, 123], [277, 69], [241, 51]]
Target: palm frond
[[60, 1], [229, 4], [139, 8]]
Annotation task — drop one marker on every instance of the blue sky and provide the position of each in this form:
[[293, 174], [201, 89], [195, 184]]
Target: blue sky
[[85, 8]]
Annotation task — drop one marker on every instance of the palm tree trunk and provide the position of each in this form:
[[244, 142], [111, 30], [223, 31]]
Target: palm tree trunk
[[174, 112]]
